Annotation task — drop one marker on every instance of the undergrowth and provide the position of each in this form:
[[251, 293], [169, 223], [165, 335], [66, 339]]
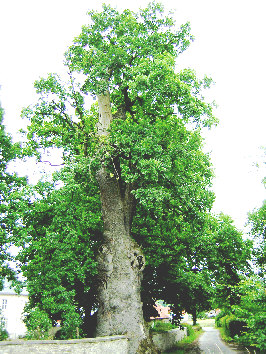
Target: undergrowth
[[193, 332]]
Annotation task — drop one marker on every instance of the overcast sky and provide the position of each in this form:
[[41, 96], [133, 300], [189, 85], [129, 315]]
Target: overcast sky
[[229, 46]]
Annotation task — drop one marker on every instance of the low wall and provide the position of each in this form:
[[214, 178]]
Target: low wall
[[108, 345], [167, 340], [99, 345]]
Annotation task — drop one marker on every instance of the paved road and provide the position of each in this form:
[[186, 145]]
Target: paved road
[[210, 342]]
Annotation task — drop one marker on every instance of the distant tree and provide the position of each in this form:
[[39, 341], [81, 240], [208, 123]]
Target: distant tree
[[195, 293], [196, 266], [229, 259]]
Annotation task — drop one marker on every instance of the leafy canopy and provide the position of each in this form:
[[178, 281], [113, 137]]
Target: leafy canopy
[[10, 185], [149, 148]]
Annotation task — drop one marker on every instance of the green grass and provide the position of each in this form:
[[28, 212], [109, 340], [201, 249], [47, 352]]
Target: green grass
[[193, 333], [162, 326]]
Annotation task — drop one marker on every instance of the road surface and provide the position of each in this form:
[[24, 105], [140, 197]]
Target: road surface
[[210, 342]]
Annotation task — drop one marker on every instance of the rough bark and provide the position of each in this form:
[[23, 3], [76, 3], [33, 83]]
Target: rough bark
[[105, 114], [120, 260]]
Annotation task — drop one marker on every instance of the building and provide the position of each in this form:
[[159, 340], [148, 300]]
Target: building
[[11, 311]]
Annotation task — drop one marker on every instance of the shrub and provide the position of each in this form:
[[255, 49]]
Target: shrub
[[38, 324], [71, 323], [190, 329], [3, 334], [162, 326], [219, 317], [193, 333], [252, 311], [236, 327], [231, 325]]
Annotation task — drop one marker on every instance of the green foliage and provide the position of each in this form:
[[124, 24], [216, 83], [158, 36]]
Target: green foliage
[[133, 56], [218, 318], [71, 324], [149, 150], [159, 326], [225, 322], [38, 324], [190, 329], [202, 315], [228, 260], [252, 310], [257, 222], [231, 327], [3, 334], [3, 331], [10, 185], [246, 321], [193, 332], [58, 257]]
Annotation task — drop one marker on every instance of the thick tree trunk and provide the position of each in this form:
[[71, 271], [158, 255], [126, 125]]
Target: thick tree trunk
[[121, 262]]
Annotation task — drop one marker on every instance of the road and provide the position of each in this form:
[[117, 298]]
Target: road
[[210, 342]]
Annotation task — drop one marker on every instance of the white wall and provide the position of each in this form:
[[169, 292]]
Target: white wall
[[12, 306]]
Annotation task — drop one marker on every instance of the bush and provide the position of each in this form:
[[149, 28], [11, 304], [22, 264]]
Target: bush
[[71, 323], [236, 327], [193, 333], [159, 326], [190, 329], [252, 311], [38, 324], [225, 322], [218, 318], [3, 334], [231, 325]]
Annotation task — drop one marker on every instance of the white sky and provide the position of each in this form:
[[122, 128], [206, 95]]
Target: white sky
[[229, 46]]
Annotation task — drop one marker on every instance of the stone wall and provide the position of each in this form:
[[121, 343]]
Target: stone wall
[[167, 340], [100, 345]]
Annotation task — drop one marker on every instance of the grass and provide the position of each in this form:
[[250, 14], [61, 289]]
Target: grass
[[162, 326], [193, 333]]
